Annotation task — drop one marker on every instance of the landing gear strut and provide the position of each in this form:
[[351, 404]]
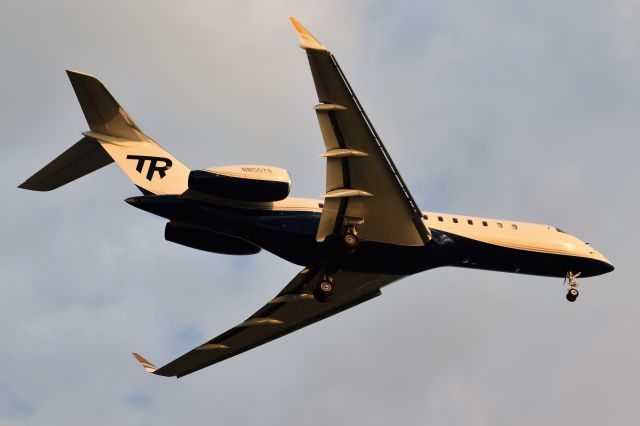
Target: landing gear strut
[[324, 289], [573, 293]]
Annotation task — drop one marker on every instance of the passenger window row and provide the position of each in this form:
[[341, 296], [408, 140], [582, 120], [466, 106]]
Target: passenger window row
[[470, 222]]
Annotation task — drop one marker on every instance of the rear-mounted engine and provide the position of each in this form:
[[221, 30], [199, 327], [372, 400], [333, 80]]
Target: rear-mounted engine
[[204, 239], [243, 183]]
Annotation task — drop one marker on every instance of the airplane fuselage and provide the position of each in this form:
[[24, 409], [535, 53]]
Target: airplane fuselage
[[288, 229]]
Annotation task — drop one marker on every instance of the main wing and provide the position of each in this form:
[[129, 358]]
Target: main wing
[[293, 308], [364, 187]]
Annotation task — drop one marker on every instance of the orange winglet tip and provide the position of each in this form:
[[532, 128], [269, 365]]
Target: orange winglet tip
[[148, 366], [307, 41]]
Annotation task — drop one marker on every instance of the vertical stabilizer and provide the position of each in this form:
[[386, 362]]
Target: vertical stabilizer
[[114, 136], [103, 113]]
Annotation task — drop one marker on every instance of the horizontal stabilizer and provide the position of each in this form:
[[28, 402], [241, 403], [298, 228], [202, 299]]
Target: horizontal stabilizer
[[148, 367], [81, 159]]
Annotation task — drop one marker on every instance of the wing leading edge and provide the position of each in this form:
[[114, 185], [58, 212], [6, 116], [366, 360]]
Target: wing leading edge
[[293, 308], [364, 187]]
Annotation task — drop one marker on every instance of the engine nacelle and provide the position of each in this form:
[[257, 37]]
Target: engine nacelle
[[203, 239], [244, 183]]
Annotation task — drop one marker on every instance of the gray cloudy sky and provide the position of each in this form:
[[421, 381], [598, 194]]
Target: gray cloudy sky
[[515, 109]]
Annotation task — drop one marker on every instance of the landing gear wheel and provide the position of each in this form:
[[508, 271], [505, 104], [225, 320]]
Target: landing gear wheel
[[351, 240], [323, 290], [570, 279], [572, 294]]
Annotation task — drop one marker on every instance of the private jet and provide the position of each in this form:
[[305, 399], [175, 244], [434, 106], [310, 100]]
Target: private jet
[[366, 232]]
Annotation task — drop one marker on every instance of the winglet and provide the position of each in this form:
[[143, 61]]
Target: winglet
[[307, 41], [148, 367]]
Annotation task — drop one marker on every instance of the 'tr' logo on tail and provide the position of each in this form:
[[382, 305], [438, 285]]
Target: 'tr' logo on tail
[[153, 165]]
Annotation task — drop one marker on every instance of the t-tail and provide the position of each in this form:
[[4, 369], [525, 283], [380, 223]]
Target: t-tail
[[113, 136]]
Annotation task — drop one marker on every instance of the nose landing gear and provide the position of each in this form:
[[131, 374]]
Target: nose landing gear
[[570, 279]]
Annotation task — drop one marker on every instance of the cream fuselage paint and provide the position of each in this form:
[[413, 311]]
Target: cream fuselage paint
[[514, 235]]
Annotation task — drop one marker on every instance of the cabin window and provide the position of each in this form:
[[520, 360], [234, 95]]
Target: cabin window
[[469, 221], [484, 223], [440, 219], [514, 226], [425, 217], [455, 220], [499, 225], [321, 205]]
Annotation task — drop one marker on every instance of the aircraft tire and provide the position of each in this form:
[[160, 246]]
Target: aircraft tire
[[351, 240], [323, 291], [572, 295]]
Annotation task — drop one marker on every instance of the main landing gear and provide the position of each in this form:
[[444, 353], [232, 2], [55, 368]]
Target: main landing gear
[[573, 293], [324, 289], [350, 238]]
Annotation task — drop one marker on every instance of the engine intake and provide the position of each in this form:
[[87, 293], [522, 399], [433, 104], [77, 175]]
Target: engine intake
[[243, 183]]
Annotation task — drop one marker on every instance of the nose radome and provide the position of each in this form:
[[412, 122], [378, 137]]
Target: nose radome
[[602, 267], [605, 265]]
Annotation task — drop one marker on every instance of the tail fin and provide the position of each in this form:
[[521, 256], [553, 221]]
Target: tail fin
[[113, 137]]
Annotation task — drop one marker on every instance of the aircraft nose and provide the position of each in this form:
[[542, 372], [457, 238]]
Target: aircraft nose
[[597, 264], [602, 264]]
